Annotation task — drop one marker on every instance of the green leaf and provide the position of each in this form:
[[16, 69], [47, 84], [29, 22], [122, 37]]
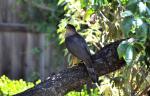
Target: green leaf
[[142, 7], [126, 25], [84, 3], [148, 11], [148, 34], [129, 54], [99, 3], [139, 22], [132, 5], [141, 30], [122, 48], [88, 14], [138, 46], [60, 2], [126, 13]]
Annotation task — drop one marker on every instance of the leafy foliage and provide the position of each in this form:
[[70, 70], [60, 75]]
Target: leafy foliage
[[10, 87], [98, 27], [103, 21], [84, 92], [135, 24], [43, 16]]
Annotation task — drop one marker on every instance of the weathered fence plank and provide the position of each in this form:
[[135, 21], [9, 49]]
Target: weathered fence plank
[[15, 54], [22, 54], [9, 11], [42, 56], [1, 54], [30, 63], [18, 46]]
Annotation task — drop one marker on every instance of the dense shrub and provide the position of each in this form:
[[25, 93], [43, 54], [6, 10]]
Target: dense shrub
[[10, 87]]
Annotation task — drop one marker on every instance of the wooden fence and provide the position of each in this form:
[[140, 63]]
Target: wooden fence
[[9, 11], [24, 53]]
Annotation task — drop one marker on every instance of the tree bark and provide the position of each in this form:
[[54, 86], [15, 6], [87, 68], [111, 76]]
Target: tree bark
[[105, 61]]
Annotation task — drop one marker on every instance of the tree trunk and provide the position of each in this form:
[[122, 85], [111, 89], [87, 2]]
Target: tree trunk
[[105, 61]]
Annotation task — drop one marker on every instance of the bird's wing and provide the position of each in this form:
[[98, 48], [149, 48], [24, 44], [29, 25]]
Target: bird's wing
[[78, 47]]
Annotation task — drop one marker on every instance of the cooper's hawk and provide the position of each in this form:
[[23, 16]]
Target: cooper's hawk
[[77, 46]]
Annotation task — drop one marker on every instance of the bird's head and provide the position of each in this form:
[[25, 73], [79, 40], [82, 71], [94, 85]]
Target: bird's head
[[70, 30]]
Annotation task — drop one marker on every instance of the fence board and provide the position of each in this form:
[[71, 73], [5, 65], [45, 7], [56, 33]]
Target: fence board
[[30, 66], [42, 56], [9, 11], [19, 57], [1, 54]]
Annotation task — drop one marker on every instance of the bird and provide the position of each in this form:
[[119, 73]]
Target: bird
[[77, 46]]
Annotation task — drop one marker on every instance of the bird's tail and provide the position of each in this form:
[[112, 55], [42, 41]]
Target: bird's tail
[[91, 70], [92, 74]]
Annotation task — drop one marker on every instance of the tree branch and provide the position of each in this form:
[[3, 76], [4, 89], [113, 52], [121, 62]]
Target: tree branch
[[105, 61]]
